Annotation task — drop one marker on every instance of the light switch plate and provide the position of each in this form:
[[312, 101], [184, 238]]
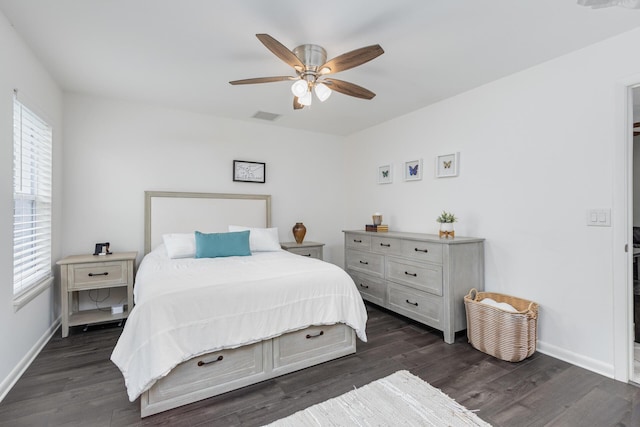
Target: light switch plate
[[599, 217]]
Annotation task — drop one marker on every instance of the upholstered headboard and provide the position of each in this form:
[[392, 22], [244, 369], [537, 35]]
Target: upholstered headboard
[[178, 212]]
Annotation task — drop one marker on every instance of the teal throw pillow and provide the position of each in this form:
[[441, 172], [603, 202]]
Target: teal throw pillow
[[213, 245]]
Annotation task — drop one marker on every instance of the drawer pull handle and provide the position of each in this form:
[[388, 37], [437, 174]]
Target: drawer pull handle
[[306, 255], [106, 273], [412, 303], [357, 241], [411, 274], [364, 286], [309, 336], [364, 262], [202, 362], [386, 245], [421, 250]]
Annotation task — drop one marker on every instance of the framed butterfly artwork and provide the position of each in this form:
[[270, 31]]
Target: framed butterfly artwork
[[447, 165], [385, 174], [413, 170]]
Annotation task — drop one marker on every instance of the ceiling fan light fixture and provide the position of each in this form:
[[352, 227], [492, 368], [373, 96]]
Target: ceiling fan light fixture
[[300, 88], [305, 99], [310, 63], [322, 91]]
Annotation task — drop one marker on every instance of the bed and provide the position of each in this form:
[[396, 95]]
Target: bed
[[206, 326]]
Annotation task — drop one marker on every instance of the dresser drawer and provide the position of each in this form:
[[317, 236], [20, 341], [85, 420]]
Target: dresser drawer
[[365, 262], [420, 306], [358, 241], [371, 288], [96, 275], [385, 245], [422, 276], [423, 251]]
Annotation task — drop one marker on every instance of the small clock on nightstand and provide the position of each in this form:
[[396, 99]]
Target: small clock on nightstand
[[308, 249]]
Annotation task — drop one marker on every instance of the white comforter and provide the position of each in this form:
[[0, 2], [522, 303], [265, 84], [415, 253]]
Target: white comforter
[[188, 307]]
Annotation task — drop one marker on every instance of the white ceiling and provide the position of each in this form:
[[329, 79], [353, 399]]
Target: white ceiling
[[183, 53]]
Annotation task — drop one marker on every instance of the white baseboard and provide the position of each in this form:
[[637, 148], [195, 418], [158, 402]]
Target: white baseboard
[[576, 359], [7, 384]]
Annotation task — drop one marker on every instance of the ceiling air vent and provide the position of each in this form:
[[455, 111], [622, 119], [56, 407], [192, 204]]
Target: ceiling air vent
[[263, 115]]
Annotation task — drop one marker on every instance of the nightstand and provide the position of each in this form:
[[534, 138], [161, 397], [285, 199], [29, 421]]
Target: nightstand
[[88, 272], [310, 249]]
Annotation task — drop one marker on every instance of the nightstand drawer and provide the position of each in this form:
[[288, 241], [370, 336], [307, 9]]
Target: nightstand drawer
[[311, 252], [308, 249], [97, 274]]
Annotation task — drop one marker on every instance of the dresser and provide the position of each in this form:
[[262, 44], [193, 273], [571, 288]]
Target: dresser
[[90, 272], [417, 275]]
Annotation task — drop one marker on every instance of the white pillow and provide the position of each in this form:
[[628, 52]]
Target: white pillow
[[180, 245], [260, 239]]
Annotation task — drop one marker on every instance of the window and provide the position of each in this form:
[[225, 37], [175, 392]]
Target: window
[[32, 143]]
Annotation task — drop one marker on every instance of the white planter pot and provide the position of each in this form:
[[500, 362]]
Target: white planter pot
[[446, 230], [446, 226]]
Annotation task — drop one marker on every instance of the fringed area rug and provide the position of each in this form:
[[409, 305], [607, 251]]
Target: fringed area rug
[[401, 399]]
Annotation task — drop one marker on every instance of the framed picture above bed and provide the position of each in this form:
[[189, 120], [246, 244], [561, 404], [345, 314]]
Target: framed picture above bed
[[244, 171]]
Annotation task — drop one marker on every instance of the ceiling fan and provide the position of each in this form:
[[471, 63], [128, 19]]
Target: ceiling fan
[[311, 66]]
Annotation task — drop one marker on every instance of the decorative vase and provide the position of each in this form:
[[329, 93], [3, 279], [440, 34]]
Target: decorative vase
[[299, 230], [446, 230]]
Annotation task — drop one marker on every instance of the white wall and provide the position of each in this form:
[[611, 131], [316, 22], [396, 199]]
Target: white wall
[[114, 151], [23, 332], [537, 150]]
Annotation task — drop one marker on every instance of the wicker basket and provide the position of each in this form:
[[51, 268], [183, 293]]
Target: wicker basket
[[509, 336]]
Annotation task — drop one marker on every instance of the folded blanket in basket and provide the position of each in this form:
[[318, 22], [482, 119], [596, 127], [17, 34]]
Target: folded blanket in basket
[[503, 305]]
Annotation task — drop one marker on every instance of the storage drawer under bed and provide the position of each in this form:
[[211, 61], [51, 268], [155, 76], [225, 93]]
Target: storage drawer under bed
[[222, 371]]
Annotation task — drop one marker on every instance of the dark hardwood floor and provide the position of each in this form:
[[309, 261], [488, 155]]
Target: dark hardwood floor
[[73, 383]]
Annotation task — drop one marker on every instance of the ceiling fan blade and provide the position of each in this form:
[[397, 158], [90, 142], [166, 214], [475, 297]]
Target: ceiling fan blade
[[296, 104], [351, 59], [281, 51], [349, 88], [262, 80]]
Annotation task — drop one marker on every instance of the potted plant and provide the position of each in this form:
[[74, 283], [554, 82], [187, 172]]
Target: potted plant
[[446, 220]]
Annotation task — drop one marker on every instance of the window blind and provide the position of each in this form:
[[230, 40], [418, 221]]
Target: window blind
[[32, 147]]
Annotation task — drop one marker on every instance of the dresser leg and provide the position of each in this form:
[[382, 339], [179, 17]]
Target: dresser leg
[[449, 337]]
